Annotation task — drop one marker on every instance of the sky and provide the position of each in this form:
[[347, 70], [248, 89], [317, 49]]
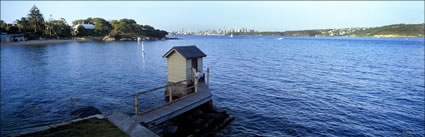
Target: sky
[[203, 15]]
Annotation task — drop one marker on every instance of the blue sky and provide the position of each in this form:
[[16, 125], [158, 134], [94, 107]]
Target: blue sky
[[261, 16]]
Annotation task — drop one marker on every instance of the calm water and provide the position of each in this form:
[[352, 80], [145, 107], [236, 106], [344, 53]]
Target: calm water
[[298, 86]]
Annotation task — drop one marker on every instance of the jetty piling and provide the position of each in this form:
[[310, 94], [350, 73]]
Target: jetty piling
[[136, 104], [208, 77]]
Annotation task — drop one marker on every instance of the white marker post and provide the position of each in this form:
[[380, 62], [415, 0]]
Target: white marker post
[[143, 47], [138, 40]]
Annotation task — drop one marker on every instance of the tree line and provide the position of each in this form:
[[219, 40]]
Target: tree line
[[35, 26]]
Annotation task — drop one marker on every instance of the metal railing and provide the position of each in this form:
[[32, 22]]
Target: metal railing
[[171, 87]]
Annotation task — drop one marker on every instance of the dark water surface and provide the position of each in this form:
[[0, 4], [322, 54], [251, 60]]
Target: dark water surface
[[298, 86]]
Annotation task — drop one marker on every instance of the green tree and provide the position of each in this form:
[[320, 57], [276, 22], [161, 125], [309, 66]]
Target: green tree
[[150, 31], [81, 31], [8, 28], [83, 21], [36, 20], [114, 24], [63, 30], [12, 29], [101, 27], [58, 28], [23, 24], [48, 28], [127, 26], [3, 26]]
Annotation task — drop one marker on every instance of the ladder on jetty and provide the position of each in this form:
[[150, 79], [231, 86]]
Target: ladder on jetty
[[175, 107]]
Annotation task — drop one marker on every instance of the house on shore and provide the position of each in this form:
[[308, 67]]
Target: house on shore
[[86, 26], [89, 27], [11, 37]]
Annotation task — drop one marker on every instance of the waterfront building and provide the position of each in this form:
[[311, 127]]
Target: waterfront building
[[181, 60], [11, 37], [86, 26]]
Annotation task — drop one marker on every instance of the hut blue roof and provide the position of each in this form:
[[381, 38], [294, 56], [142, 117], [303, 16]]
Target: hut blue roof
[[188, 52]]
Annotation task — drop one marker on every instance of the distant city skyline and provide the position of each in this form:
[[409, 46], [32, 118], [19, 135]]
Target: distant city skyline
[[259, 16]]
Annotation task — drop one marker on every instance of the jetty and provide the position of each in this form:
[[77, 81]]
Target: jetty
[[186, 89], [174, 108]]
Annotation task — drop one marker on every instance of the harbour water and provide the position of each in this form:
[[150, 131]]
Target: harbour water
[[295, 86]]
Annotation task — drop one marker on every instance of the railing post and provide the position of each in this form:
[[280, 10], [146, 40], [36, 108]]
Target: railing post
[[170, 94], [195, 80], [208, 77], [196, 85], [185, 91], [136, 103]]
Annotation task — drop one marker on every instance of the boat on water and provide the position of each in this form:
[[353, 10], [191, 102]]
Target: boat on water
[[280, 38], [231, 35]]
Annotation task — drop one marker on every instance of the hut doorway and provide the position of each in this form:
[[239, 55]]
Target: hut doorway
[[195, 64]]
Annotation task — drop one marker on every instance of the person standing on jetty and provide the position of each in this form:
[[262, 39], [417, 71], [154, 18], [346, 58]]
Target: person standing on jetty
[[200, 76]]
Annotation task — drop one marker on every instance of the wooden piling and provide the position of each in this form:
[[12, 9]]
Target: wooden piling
[[170, 94], [136, 105], [208, 77]]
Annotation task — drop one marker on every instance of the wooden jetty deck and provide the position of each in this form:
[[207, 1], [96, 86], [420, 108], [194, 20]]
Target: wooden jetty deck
[[172, 109]]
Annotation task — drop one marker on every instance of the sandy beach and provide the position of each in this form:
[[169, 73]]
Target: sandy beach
[[38, 42]]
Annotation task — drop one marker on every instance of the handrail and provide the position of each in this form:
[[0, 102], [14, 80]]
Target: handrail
[[136, 95], [170, 84], [151, 109], [194, 78], [208, 76]]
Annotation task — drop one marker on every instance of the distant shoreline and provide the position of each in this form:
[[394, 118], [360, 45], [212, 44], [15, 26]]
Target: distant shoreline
[[38, 42], [378, 36], [388, 31]]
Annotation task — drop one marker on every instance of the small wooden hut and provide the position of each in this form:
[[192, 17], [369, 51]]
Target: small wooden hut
[[181, 60]]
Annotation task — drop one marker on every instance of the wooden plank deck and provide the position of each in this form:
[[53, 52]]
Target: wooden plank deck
[[176, 107]]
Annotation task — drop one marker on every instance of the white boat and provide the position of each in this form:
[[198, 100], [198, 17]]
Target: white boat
[[280, 38], [231, 35]]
